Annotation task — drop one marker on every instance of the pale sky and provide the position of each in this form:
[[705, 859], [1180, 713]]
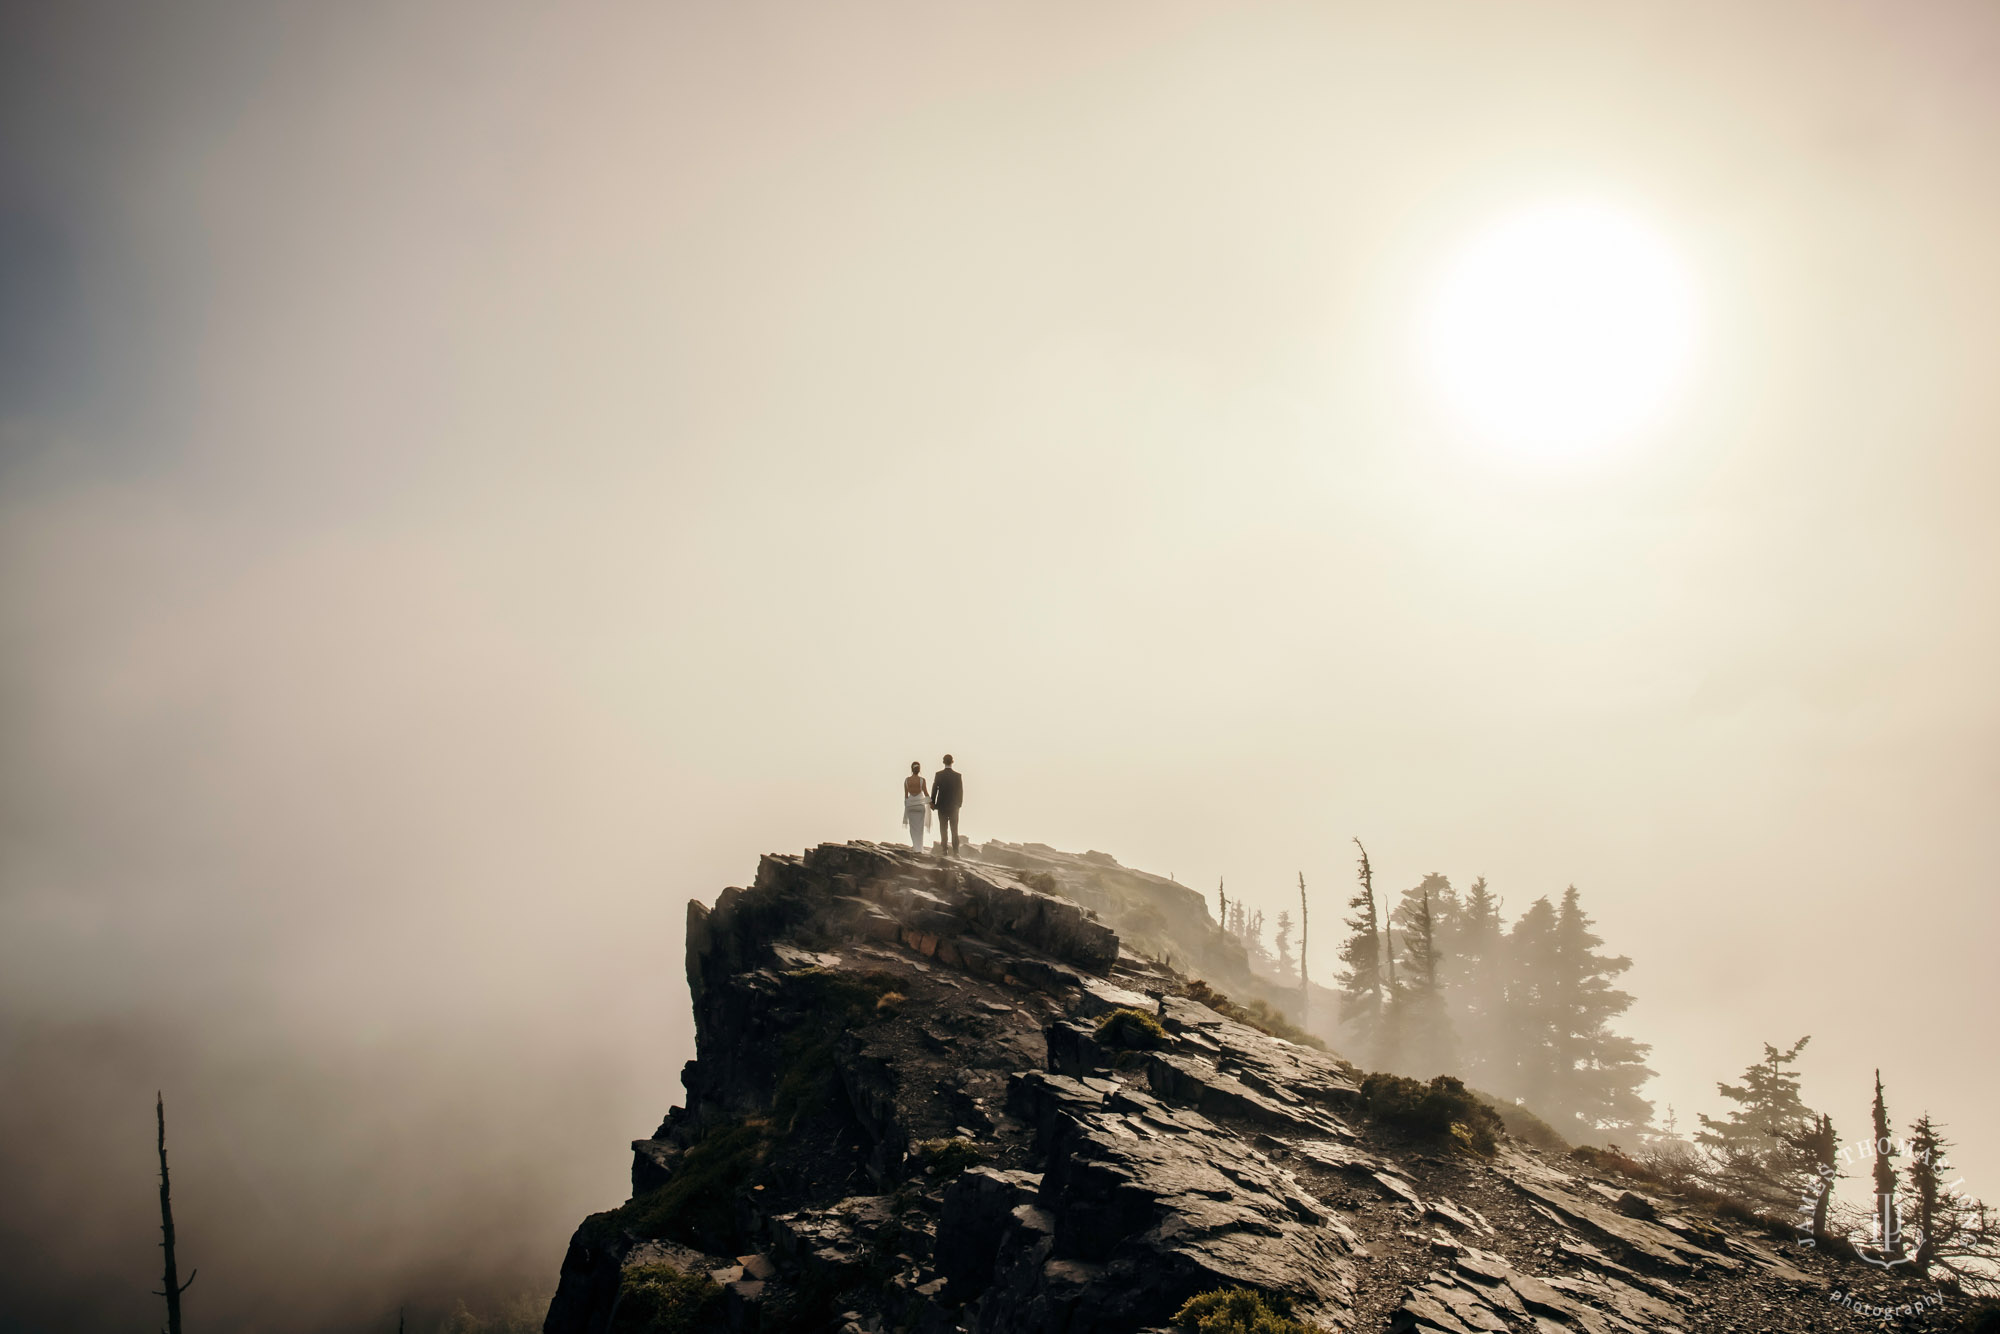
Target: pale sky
[[474, 476]]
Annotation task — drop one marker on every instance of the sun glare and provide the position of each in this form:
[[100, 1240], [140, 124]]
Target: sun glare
[[1560, 329]]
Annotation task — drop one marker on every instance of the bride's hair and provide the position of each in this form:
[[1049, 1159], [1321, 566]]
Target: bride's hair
[[916, 766]]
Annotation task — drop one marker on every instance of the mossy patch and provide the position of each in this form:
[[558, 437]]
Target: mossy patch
[[660, 1299], [851, 995], [811, 1081], [698, 1206], [943, 1159], [1130, 1030], [834, 1000], [1240, 1311], [1443, 1109]]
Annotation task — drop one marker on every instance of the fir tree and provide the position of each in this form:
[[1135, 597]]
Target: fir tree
[[1447, 915], [1422, 1025], [1389, 1047], [1959, 1233], [1600, 1071], [1888, 1229], [1253, 940], [1434, 895], [1526, 1065], [1928, 1191], [1477, 989], [1819, 1147], [1283, 942], [1753, 1145], [1768, 1105], [1362, 997]]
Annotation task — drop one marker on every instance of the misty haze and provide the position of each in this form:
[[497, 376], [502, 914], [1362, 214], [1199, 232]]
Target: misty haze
[[1452, 547]]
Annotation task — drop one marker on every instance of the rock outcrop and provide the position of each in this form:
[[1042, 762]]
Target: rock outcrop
[[910, 1112]]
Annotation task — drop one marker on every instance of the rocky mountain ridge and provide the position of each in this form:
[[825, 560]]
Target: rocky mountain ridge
[[942, 1096]]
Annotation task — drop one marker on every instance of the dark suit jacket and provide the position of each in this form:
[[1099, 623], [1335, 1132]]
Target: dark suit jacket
[[947, 790]]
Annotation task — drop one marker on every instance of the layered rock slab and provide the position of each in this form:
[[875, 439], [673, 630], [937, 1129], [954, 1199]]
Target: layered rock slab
[[1143, 1206]]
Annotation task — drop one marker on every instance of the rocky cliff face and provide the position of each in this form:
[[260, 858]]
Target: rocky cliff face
[[942, 1096]]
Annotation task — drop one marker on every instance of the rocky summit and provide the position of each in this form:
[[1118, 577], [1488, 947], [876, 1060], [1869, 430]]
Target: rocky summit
[[1012, 1092]]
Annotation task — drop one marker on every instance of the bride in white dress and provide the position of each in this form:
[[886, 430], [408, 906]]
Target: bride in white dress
[[916, 804]]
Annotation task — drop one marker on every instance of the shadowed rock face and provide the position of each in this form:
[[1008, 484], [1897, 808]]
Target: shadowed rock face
[[902, 1117]]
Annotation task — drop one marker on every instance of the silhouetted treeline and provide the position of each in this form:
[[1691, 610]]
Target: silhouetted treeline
[[1439, 983], [1779, 1155]]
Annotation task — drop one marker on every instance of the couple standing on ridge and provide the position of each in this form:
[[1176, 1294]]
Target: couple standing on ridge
[[945, 794]]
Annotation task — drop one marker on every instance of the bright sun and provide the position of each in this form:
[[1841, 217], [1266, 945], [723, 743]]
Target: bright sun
[[1560, 329]]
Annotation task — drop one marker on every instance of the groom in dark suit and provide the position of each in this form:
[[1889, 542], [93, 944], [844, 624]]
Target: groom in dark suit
[[947, 795]]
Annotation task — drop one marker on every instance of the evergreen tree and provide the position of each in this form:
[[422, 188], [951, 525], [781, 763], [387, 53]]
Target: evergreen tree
[[1959, 1234], [1362, 991], [1434, 894], [1768, 1105], [1526, 1063], [1284, 944], [1753, 1145], [1253, 940], [1447, 915], [1600, 1071], [1477, 988], [1422, 954], [1389, 1048], [1928, 1192], [1422, 1024], [1888, 1230], [1819, 1147]]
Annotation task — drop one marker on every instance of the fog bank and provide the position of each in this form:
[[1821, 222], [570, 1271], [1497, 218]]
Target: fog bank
[[473, 477]]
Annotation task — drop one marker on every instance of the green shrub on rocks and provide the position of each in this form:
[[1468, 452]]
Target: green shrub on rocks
[[1130, 1030], [853, 996], [1442, 1108], [1240, 1311], [811, 1082], [660, 1299], [697, 1207], [943, 1159], [835, 1000]]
